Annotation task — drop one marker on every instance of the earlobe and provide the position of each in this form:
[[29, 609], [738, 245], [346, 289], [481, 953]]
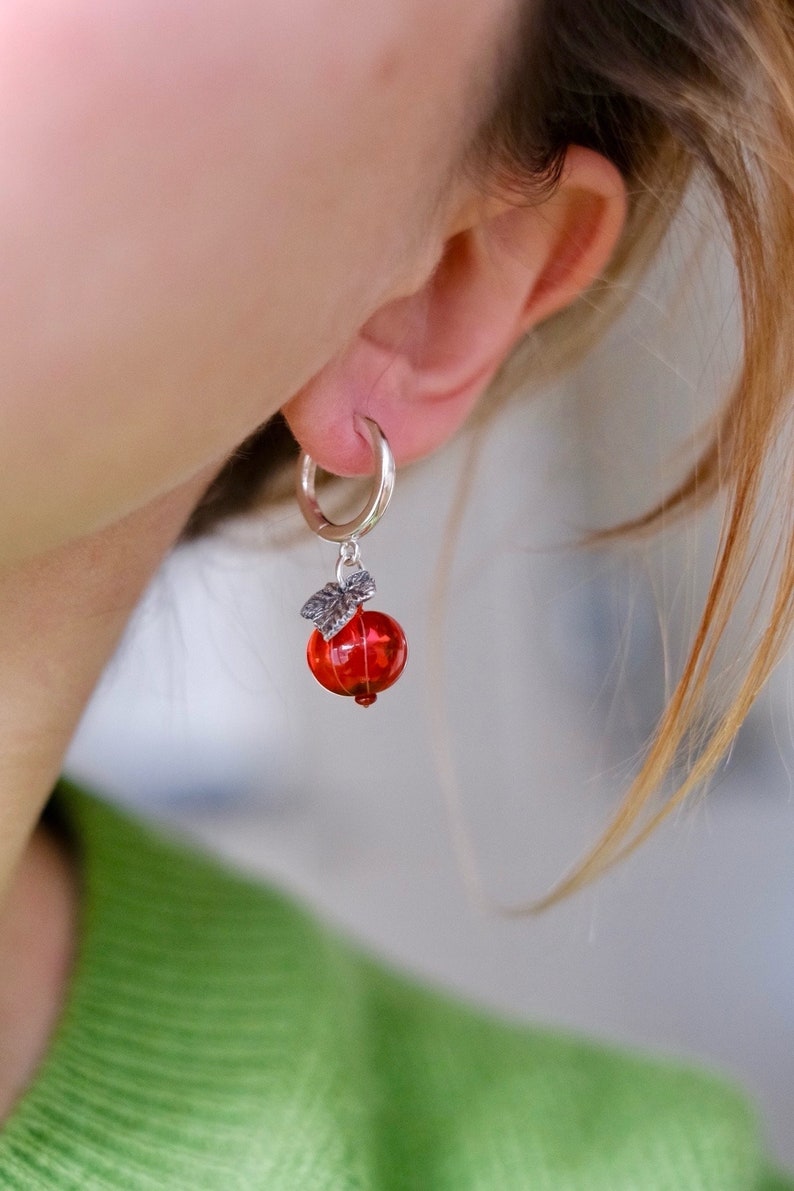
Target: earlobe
[[365, 380], [421, 362]]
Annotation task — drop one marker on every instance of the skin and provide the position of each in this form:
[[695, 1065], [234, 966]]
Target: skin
[[209, 212], [165, 172]]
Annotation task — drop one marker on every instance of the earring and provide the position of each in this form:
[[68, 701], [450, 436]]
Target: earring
[[351, 651]]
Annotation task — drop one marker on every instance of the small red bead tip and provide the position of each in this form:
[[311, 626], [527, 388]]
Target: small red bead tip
[[365, 657]]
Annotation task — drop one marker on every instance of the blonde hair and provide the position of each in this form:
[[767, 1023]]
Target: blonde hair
[[673, 90]]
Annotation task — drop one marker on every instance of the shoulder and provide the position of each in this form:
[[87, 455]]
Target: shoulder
[[505, 1099]]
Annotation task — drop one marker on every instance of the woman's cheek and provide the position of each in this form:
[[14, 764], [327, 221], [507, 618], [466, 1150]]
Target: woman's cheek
[[167, 165], [180, 250], [199, 205]]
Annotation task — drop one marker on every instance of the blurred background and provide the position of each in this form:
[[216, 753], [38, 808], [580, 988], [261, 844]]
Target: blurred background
[[480, 783]]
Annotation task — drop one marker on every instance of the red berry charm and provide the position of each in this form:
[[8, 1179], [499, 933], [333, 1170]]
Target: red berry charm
[[353, 652], [364, 658]]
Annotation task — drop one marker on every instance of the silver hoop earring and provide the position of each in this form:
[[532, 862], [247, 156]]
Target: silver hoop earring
[[372, 512], [351, 651]]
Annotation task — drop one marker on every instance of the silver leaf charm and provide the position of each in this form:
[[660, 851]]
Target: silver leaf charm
[[335, 604]]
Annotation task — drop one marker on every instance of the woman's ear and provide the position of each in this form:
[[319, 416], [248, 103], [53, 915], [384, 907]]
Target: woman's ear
[[421, 362]]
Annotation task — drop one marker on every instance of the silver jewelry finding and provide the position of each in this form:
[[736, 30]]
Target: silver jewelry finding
[[336, 604], [374, 509]]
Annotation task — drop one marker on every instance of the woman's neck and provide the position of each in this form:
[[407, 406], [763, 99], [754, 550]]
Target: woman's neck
[[61, 616], [37, 938]]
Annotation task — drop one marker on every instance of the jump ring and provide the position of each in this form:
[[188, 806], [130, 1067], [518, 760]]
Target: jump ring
[[374, 509]]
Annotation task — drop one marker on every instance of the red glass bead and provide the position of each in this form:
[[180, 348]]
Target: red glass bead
[[363, 659]]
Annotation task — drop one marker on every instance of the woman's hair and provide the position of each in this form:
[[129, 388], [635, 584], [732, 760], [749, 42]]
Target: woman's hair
[[666, 89]]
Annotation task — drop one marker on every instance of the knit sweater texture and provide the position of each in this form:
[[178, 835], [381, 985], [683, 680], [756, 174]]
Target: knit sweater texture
[[218, 1037]]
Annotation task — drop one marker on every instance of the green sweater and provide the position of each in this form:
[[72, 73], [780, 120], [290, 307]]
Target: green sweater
[[218, 1036]]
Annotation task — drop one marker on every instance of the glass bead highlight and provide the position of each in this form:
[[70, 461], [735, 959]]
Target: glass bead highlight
[[365, 657]]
